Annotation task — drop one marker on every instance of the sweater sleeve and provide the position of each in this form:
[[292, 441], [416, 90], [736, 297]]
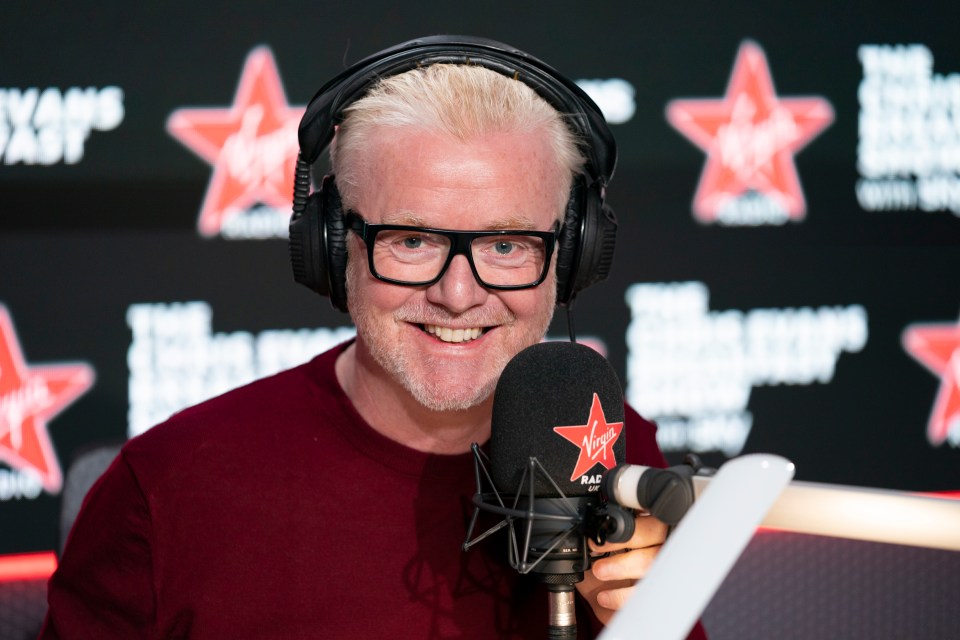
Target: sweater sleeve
[[104, 585]]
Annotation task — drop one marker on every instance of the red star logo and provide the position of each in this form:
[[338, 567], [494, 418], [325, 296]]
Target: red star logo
[[937, 347], [29, 397], [750, 136], [252, 145], [595, 439]]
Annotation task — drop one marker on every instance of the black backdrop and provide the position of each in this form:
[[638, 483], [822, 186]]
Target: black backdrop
[[84, 242]]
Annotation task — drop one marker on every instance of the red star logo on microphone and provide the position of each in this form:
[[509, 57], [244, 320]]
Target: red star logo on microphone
[[750, 137], [252, 145], [29, 397], [595, 439], [937, 347]]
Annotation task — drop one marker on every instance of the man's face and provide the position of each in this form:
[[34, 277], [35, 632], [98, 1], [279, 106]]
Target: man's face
[[422, 338]]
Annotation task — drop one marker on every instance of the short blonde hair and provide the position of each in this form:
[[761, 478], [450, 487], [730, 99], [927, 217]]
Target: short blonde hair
[[462, 101]]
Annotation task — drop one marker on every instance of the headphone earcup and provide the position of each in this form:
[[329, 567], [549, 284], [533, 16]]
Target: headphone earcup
[[587, 242], [318, 252], [335, 242]]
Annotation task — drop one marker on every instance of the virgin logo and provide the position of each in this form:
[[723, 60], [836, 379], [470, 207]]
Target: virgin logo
[[595, 440], [594, 444], [254, 158], [18, 403]]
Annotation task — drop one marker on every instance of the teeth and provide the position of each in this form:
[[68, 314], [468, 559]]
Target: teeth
[[446, 334]]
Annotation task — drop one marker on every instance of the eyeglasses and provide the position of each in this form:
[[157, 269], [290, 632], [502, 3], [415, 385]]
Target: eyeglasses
[[418, 256]]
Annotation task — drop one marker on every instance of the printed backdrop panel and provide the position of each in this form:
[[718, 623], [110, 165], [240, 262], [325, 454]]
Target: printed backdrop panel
[[788, 191]]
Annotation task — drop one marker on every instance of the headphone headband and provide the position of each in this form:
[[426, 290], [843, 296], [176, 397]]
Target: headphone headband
[[325, 109]]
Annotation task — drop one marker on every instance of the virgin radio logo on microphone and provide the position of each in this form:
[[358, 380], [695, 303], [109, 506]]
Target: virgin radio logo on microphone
[[750, 136], [595, 440], [252, 146], [29, 397], [937, 347]]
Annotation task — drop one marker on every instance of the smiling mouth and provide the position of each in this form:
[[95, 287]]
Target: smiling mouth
[[446, 334]]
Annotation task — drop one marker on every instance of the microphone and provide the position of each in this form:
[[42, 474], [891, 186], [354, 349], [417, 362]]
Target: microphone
[[557, 426]]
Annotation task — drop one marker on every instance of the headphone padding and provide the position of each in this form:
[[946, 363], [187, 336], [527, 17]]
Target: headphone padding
[[568, 243], [335, 242]]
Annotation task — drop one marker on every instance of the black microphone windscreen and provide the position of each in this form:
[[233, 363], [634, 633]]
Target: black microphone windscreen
[[562, 403]]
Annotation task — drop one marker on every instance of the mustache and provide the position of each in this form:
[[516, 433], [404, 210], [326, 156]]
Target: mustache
[[425, 313]]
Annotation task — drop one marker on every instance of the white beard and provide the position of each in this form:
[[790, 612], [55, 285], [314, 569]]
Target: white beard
[[439, 384]]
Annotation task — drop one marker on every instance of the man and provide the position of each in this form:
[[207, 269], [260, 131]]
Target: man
[[331, 500]]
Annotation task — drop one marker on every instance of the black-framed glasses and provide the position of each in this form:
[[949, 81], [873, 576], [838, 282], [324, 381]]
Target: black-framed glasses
[[419, 256]]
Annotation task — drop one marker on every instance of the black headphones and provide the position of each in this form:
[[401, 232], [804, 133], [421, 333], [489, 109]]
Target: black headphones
[[318, 243]]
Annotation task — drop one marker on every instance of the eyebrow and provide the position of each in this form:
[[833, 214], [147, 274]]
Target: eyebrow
[[519, 223]]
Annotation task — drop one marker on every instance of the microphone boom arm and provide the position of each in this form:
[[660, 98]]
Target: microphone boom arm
[[666, 494]]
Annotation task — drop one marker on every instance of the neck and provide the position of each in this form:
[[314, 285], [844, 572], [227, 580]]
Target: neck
[[391, 411]]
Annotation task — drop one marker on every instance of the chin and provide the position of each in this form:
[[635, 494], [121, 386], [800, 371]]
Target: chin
[[450, 393], [446, 403]]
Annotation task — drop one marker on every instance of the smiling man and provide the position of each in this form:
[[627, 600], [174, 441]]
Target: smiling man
[[331, 500]]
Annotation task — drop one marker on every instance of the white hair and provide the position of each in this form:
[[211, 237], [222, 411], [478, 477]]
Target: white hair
[[462, 101]]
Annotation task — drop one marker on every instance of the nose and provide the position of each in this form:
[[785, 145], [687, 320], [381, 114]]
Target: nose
[[458, 289]]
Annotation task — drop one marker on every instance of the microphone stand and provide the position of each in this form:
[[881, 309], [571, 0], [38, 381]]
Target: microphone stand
[[555, 532], [555, 548], [562, 614]]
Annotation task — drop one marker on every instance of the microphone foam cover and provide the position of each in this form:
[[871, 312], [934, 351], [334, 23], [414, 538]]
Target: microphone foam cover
[[551, 385]]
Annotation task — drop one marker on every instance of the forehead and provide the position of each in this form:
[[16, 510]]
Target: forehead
[[494, 181]]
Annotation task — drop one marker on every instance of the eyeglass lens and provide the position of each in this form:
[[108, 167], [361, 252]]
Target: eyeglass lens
[[418, 256]]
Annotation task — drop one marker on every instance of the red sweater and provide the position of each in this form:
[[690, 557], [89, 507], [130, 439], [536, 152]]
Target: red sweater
[[275, 511]]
